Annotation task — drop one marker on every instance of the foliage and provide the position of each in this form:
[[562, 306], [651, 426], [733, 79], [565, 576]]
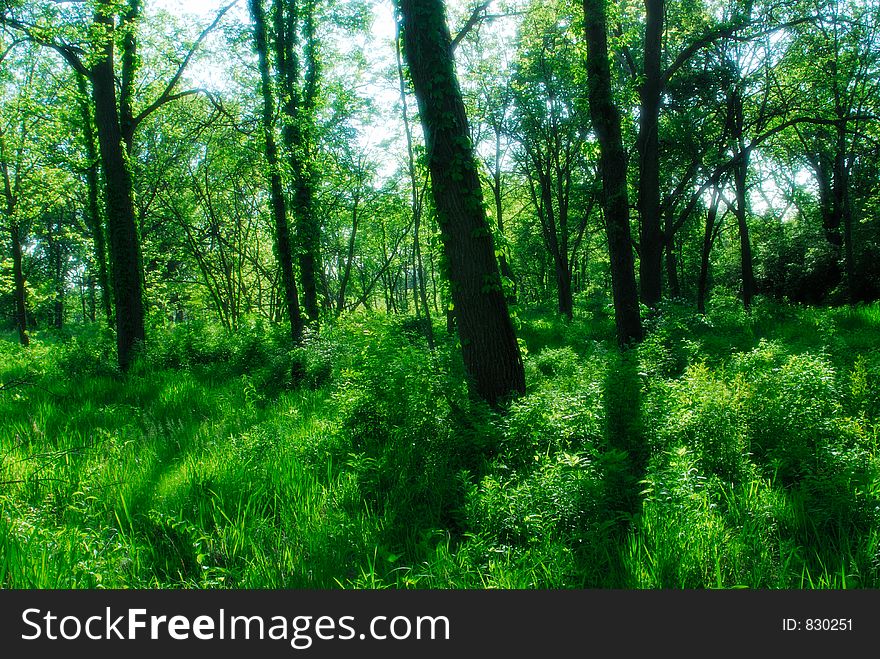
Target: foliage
[[372, 467]]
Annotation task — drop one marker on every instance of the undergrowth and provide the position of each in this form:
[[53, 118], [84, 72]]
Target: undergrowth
[[727, 450]]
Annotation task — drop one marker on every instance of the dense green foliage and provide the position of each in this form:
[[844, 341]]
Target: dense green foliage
[[576, 293], [358, 460]]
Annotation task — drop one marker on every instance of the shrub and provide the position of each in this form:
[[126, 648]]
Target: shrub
[[706, 414]]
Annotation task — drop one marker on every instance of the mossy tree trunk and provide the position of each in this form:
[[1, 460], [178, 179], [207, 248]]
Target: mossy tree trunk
[[298, 90], [121, 223], [489, 346], [606, 124], [277, 200]]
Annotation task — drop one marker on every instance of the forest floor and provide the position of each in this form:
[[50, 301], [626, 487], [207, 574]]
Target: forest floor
[[730, 450]]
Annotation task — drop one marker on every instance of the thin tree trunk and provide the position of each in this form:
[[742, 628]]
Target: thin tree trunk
[[748, 276], [20, 291], [504, 265], [740, 175], [96, 226], [349, 259], [708, 235], [651, 236], [489, 346], [843, 213], [416, 202], [278, 204], [849, 266], [606, 123]]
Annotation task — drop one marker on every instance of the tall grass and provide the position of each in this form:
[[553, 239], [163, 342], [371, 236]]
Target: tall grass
[[731, 450]]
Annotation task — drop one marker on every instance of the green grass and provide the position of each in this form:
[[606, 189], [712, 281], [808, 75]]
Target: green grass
[[732, 450]]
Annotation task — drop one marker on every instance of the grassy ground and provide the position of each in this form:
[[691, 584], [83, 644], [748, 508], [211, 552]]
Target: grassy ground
[[726, 451]]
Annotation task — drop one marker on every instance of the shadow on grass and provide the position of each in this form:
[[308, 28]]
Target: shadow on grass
[[626, 452]]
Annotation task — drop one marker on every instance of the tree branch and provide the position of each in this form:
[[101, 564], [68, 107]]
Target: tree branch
[[477, 16], [167, 94]]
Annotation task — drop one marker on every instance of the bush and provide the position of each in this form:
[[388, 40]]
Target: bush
[[706, 415]]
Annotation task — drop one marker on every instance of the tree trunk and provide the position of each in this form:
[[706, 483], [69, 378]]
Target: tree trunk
[[59, 274], [93, 301], [20, 291], [606, 123], [651, 236], [297, 107], [843, 213], [489, 346], [416, 204], [96, 226], [672, 269], [849, 266], [563, 289], [740, 175], [278, 204], [748, 276], [504, 265], [708, 239], [121, 224], [349, 259]]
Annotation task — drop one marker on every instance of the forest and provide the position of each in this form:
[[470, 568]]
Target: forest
[[516, 294]]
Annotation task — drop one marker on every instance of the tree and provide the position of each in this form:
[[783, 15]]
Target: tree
[[551, 132], [489, 346], [298, 90], [612, 169], [88, 44], [278, 202]]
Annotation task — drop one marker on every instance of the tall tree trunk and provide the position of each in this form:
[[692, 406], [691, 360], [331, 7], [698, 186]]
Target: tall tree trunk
[[20, 291], [843, 212], [708, 239], [278, 204], [506, 270], [57, 252], [416, 203], [672, 268], [740, 175], [121, 223], [849, 266], [651, 235], [93, 301], [298, 106], [349, 258], [748, 276], [93, 219], [826, 175], [606, 123], [489, 346]]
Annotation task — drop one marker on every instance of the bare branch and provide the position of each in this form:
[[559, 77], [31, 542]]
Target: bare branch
[[168, 94], [477, 16]]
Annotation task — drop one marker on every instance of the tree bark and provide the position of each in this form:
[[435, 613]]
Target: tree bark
[[278, 203], [349, 259], [121, 224], [96, 226], [489, 346], [708, 239], [606, 124], [20, 291], [648, 147], [416, 203], [495, 184], [297, 106], [740, 174]]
